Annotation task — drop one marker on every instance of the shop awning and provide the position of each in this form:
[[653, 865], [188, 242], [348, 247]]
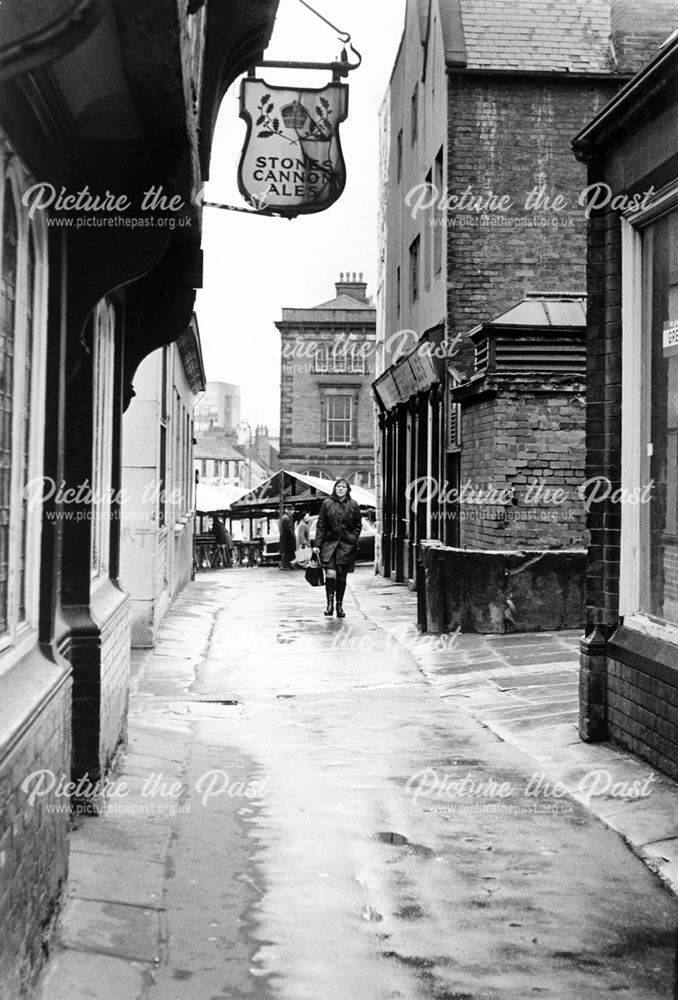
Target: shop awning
[[298, 489]]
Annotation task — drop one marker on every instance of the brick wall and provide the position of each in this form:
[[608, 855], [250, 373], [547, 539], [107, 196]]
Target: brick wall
[[115, 668], [642, 699], [637, 29], [507, 137], [33, 846], [532, 442], [603, 414]]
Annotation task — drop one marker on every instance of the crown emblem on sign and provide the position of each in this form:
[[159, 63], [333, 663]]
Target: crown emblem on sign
[[294, 115]]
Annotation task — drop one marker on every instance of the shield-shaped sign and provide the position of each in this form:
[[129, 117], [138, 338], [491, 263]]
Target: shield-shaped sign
[[292, 161]]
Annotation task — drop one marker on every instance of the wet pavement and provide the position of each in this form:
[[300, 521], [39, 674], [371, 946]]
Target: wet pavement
[[339, 810]]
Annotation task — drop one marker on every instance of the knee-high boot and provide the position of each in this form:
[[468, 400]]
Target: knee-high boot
[[341, 590], [329, 590]]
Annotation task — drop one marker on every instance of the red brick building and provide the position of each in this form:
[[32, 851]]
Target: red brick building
[[326, 371], [480, 209], [629, 661]]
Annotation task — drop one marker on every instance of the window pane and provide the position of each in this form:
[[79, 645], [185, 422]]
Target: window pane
[[26, 430], [659, 582], [7, 324], [339, 409]]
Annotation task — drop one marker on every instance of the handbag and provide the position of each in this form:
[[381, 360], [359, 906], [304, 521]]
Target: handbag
[[314, 572], [302, 556]]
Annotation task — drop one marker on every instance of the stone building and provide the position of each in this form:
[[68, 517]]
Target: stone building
[[629, 659], [327, 367], [480, 209], [112, 106], [156, 543]]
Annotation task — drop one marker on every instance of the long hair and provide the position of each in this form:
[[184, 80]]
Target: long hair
[[348, 488]]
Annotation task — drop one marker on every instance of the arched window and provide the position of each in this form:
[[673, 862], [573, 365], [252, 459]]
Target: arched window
[[322, 358]]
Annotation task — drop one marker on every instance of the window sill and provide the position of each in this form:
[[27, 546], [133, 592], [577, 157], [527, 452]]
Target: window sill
[[27, 688]]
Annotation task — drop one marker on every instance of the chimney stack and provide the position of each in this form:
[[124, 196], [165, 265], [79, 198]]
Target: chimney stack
[[352, 284]]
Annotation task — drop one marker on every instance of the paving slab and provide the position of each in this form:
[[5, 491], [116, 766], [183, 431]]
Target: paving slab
[[106, 928], [117, 878], [86, 976]]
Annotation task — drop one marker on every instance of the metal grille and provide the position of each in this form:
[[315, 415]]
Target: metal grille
[[539, 354], [7, 325]]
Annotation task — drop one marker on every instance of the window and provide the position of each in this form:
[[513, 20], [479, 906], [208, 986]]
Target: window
[[414, 269], [102, 450], [399, 155], [342, 358], [649, 528], [23, 291], [659, 416], [438, 219], [415, 113], [339, 419], [10, 258], [428, 237]]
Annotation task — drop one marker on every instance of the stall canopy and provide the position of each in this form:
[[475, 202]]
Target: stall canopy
[[298, 490], [216, 499]]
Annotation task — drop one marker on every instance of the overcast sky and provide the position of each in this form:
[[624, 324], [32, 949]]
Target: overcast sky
[[256, 266]]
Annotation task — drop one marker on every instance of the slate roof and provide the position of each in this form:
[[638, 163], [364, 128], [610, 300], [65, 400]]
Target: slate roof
[[214, 446], [532, 35], [344, 302]]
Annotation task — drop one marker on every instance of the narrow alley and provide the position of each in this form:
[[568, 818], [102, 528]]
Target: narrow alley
[[300, 814]]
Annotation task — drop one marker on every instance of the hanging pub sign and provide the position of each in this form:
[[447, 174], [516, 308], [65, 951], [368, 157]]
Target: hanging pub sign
[[292, 162]]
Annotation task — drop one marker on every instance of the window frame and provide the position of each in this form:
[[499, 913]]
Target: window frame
[[27, 436], [340, 392], [634, 416], [103, 388]]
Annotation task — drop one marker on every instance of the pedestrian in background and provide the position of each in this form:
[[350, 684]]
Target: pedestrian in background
[[224, 539], [339, 526], [288, 542], [303, 553]]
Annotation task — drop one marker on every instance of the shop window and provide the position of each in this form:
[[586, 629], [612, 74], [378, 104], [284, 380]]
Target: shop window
[[649, 496], [659, 517]]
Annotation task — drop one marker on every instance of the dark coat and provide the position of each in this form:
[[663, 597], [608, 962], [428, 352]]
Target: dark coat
[[287, 540], [338, 531]]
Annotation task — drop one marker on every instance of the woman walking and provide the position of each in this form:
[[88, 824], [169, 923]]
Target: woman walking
[[339, 526]]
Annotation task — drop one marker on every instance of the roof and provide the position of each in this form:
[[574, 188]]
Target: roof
[[268, 493], [638, 102], [344, 302], [214, 446], [528, 35], [210, 499], [541, 311]]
